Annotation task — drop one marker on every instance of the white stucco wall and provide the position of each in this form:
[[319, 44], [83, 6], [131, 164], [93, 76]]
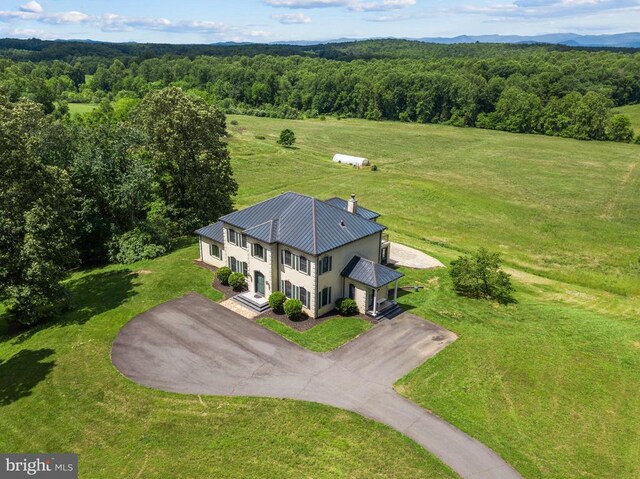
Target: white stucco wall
[[368, 248], [205, 257]]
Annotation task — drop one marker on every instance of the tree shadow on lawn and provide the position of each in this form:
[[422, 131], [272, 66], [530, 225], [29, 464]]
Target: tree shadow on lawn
[[91, 294], [22, 372]]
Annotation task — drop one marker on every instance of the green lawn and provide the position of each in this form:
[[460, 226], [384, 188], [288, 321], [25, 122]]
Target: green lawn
[[550, 383], [327, 336], [60, 393], [633, 112], [81, 108]]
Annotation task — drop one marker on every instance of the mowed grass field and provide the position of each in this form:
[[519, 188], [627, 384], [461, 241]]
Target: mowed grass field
[[550, 383], [633, 112], [81, 108]]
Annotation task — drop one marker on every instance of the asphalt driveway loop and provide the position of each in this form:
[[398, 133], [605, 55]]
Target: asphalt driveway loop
[[193, 345]]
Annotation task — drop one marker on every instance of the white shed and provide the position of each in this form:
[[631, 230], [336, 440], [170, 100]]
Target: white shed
[[351, 160]]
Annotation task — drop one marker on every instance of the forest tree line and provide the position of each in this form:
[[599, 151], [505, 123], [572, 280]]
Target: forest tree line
[[86, 192], [525, 89]]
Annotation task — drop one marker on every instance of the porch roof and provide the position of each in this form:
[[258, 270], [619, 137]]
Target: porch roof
[[370, 273]]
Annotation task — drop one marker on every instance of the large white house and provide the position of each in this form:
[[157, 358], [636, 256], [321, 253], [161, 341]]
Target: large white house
[[315, 251]]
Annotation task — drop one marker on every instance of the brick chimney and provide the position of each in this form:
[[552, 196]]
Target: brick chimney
[[352, 205]]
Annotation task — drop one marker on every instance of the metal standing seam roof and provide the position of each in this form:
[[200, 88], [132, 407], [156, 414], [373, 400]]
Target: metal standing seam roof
[[342, 204], [369, 272], [301, 222], [213, 232]]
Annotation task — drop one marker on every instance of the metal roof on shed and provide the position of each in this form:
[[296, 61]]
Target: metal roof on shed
[[302, 222], [369, 272], [342, 204], [213, 232]]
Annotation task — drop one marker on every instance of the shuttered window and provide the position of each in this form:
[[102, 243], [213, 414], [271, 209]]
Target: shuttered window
[[325, 265], [325, 297]]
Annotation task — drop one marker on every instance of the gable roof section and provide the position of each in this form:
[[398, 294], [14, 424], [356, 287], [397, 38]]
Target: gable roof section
[[302, 222], [369, 272], [213, 232], [342, 204]]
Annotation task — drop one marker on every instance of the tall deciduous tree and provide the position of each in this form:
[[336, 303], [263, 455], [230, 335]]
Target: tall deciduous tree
[[187, 146], [36, 216]]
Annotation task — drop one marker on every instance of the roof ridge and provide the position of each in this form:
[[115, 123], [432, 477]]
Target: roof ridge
[[314, 229], [355, 215]]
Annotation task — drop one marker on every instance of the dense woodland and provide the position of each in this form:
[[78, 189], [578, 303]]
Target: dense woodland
[[93, 191], [150, 164], [541, 89]]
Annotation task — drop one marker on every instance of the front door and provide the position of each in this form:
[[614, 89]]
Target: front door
[[371, 300], [259, 279]]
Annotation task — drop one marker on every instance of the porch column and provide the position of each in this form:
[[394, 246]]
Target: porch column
[[375, 302], [395, 294]]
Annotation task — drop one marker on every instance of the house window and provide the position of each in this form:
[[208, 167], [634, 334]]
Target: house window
[[243, 240], [303, 264], [232, 236], [325, 264], [352, 291], [325, 297], [305, 297], [259, 251], [288, 258], [214, 250], [233, 264], [287, 289]]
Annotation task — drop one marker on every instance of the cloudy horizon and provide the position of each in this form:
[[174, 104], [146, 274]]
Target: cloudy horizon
[[315, 20]]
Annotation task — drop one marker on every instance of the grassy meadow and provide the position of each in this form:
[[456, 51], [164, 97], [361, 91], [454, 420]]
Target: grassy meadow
[[633, 112], [81, 108], [550, 383]]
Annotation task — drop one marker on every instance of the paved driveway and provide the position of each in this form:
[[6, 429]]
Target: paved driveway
[[192, 345]]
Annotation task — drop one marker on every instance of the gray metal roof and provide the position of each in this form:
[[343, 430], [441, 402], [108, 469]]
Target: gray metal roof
[[213, 232], [342, 204], [369, 272], [302, 222]]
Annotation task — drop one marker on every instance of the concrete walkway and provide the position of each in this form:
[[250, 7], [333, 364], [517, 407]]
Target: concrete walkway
[[192, 345], [402, 255]]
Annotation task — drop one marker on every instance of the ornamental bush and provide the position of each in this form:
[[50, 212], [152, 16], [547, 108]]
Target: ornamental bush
[[276, 301], [293, 308], [237, 281], [346, 306], [223, 275]]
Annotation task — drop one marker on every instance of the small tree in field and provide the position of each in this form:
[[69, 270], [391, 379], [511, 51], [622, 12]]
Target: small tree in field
[[480, 276], [287, 138]]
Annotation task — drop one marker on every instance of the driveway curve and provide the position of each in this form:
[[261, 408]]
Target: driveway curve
[[192, 345]]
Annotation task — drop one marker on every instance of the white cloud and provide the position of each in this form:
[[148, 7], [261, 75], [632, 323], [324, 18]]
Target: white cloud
[[307, 3], [32, 6], [111, 22], [353, 5], [381, 6], [292, 18], [542, 9]]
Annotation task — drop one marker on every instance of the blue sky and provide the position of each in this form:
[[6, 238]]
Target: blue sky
[[193, 21]]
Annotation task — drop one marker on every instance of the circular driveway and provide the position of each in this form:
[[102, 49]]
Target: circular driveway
[[192, 345]]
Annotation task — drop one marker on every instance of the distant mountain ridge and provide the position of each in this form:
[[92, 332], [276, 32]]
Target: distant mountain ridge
[[616, 40]]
